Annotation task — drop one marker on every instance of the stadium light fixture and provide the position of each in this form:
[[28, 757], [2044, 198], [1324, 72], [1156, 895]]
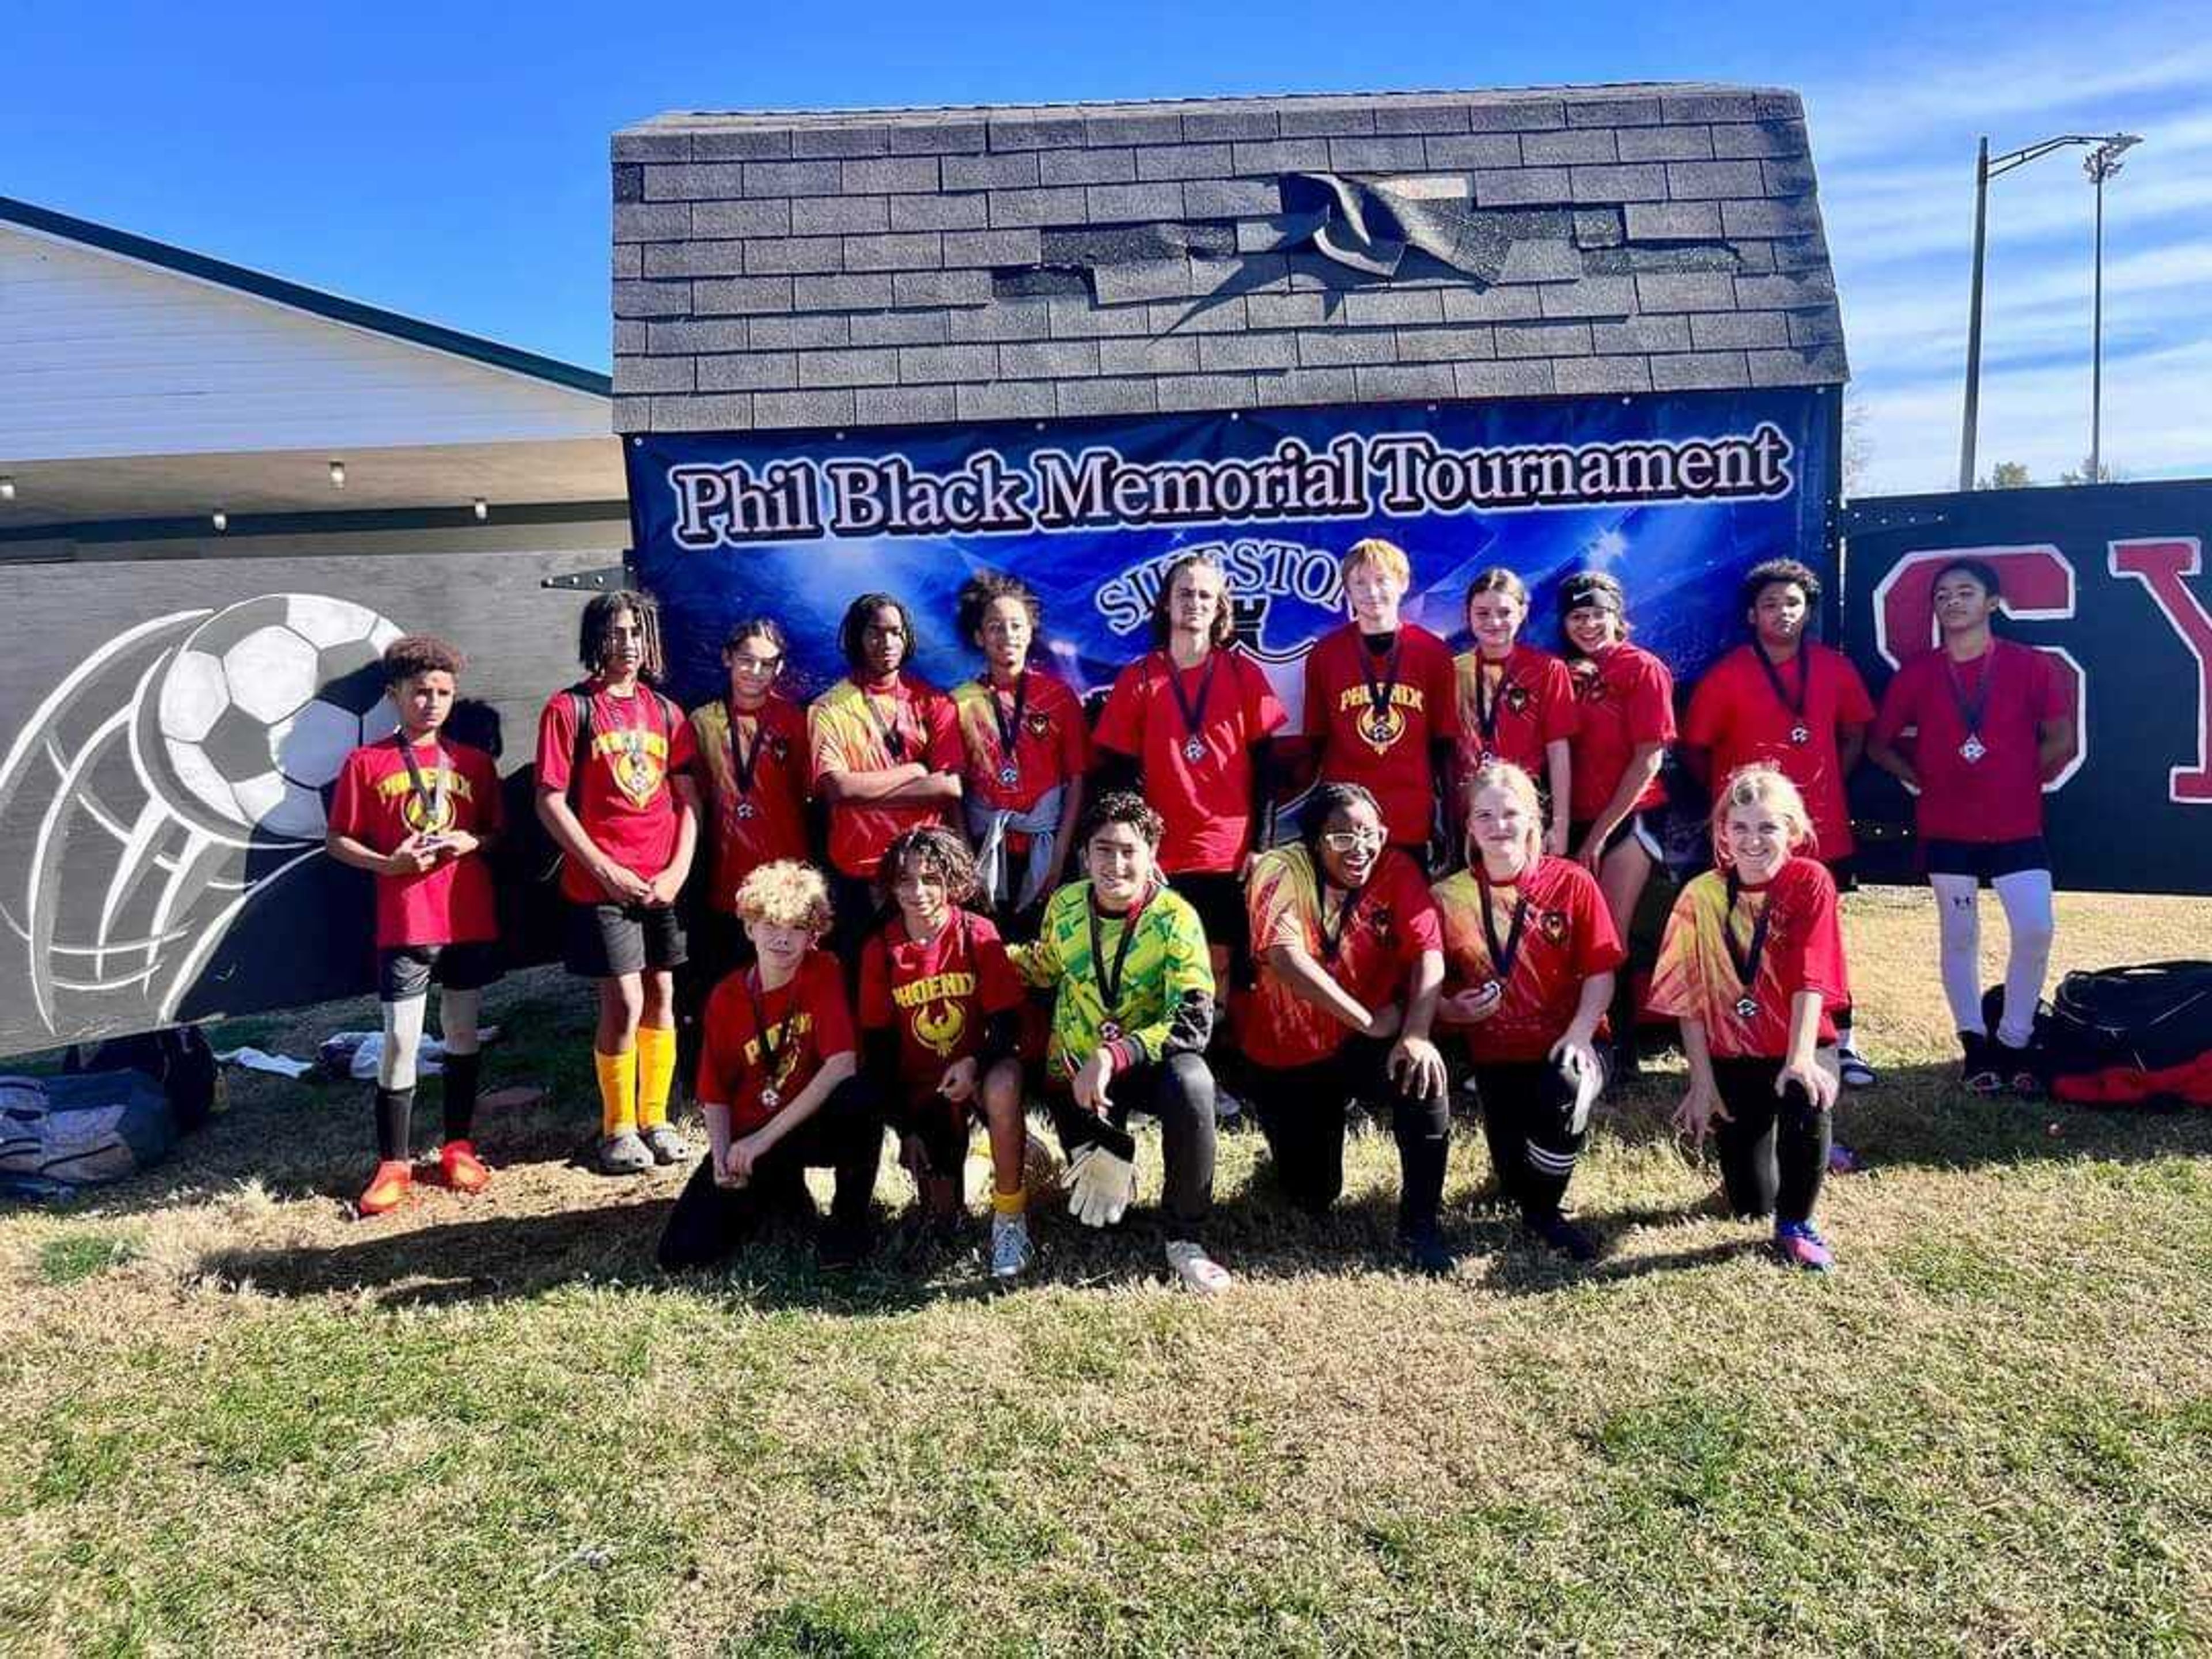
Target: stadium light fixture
[[1987, 167], [2100, 164]]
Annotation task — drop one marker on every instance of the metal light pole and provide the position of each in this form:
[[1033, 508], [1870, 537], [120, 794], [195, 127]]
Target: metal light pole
[[1984, 170], [2100, 164]]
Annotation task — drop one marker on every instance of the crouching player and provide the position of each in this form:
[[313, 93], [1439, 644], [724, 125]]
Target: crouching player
[[418, 813], [1350, 963], [1530, 952], [1126, 958], [779, 1084], [940, 1016], [1752, 964]]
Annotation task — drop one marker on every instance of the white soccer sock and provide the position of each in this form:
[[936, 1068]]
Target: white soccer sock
[[403, 1042], [1959, 920], [2026, 896]]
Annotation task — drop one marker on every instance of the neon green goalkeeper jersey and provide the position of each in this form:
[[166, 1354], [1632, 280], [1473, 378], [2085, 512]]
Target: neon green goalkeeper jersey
[[1165, 1004]]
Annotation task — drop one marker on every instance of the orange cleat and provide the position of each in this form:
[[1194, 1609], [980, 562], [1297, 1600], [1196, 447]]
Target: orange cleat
[[460, 1169], [387, 1188]]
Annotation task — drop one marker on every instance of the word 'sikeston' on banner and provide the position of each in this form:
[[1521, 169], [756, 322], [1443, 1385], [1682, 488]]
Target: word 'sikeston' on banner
[[1097, 488]]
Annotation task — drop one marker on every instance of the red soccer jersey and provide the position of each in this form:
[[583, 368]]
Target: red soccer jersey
[[1529, 699], [1566, 936], [1390, 756], [1623, 697], [854, 731], [623, 801], [937, 994], [1998, 797], [758, 821], [806, 1020], [1390, 926], [377, 804], [1051, 742], [1737, 712], [1696, 978], [1206, 801]]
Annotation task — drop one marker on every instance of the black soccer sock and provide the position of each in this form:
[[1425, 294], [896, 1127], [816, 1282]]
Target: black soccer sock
[[463, 1072], [395, 1116]]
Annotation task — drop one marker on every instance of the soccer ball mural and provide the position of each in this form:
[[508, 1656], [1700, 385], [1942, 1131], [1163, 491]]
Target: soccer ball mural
[[260, 705], [176, 775]]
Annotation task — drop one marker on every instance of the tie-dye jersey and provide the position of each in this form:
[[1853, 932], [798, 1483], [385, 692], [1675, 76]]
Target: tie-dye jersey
[[1696, 978]]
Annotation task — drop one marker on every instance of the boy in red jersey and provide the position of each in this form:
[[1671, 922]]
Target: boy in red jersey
[[1798, 705], [1516, 703], [886, 756], [779, 1084], [756, 777], [1530, 955], [616, 792], [1380, 708], [1349, 964], [1992, 722], [1751, 962], [418, 812], [1027, 748], [939, 1020]]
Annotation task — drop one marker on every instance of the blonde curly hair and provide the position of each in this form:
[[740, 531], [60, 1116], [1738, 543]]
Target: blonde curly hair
[[787, 894]]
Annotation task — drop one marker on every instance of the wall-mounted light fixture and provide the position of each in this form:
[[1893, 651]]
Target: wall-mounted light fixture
[[7, 489], [221, 519], [482, 509], [337, 475]]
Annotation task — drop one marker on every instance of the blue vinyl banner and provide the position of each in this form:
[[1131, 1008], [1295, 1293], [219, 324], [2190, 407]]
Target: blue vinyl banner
[[1676, 495]]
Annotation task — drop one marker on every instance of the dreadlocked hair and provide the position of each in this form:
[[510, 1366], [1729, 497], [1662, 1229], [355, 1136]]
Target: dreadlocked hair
[[852, 631], [599, 621]]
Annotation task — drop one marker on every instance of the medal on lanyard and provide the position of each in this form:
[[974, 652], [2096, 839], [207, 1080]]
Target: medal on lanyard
[[1746, 962], [1009, 725], [1503, 955], [1489, 702], [1331, 944], [429, 797], [1110, 981], [1380, 691], [771, 1050], [894, 734], [1972, 709], [742, 760], [1193, 714], [1800, 732]]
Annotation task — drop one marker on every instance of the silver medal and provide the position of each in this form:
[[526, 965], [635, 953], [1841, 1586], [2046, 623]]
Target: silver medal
[[1488, 989], [1193, 750], [770, 1097], [746, 810], [1109, 1030], [1746, 1007], [1009, 775], [1973, 748], [1801, 735]]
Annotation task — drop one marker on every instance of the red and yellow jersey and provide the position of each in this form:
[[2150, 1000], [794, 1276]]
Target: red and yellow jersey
[[1696, 978], [1391, 924], [1052, 744], [754, 825], [1390, 755], [379, 803], [1566, 935], [936, 994], [850, 730], [1530, 700], [805, 1020], [623, 800]]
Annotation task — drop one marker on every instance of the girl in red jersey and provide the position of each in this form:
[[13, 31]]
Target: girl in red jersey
[[1991, 720], [1027, 747], [1349, 964], [1529, 958], [939, 1020], [780, 1086], [1625, 703], [754, 769], [1751, 965], [1516, 703], [418, 811], [1380, 709]]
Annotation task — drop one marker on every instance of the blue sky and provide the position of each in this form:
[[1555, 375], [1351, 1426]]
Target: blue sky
[[451, 161]]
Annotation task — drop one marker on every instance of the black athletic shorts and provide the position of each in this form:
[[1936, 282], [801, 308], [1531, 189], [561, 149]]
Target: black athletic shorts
[[607, 940], [1985, 860], [1633, 824], [405, 971], [1219, 901]]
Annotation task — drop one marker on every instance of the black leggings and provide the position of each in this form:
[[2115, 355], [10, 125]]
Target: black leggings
[[1527, 1107], [845, 1133], [395, 1109], [1302, 1112], [1178, 1091], [1774, 1148]]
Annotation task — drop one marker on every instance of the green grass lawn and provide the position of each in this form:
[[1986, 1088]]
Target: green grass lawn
[[238, 1420]]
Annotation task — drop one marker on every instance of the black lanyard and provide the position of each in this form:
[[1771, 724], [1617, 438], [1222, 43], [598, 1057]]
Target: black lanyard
[[1799, 731], [1746, 962], [1331, 944], [1194, 715], [742, 760], [893, 735], [1972, 709], [430, 796], [1489, 704], [1110, 984], [1009, 725], [1502, 955], [771, 1050], [1379, 688]]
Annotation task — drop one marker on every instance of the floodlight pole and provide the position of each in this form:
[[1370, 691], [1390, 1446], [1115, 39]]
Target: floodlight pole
[[2100, 164]]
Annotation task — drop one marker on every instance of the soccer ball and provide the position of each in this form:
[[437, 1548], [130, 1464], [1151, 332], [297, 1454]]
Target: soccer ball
[[261, 704]]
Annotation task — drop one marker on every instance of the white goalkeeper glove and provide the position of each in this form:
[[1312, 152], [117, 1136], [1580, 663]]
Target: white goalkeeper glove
[[1100, 1186]]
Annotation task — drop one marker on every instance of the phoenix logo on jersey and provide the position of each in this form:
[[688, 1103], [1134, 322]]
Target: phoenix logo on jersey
[[938, 1020], [638, 760], [1379, 729], [435, 816]]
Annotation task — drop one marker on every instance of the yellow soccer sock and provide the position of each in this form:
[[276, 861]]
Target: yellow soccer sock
[[1012, 1203], [656, 1073], [617, 1092]]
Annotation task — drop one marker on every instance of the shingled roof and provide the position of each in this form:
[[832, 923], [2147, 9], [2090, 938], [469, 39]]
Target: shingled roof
[[779, 271]]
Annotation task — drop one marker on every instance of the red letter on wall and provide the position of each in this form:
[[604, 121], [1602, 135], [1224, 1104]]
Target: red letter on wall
[[2159, 563]]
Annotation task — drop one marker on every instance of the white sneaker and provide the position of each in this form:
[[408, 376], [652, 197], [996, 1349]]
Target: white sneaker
[[1011, 1253], [1200, 1273]]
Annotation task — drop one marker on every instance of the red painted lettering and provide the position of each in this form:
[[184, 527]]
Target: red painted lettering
[[2159, 563]]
